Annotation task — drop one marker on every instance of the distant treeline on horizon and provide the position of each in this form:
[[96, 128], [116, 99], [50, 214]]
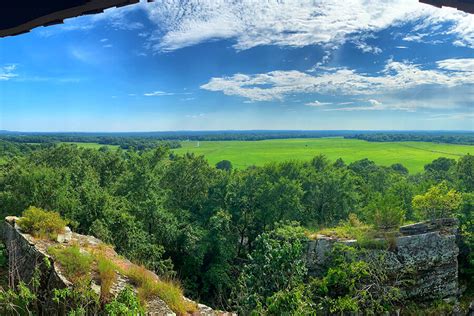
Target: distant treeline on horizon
[[142, 140]]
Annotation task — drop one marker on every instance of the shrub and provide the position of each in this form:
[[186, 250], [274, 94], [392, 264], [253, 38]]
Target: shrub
[[77, 300], [76, 265], [385, 212], [126, 303], [17, 302], [41, 223], [437, 202], [353, 284]]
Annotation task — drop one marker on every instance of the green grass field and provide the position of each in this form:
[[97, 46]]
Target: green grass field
[[91, 145], [413, 155]]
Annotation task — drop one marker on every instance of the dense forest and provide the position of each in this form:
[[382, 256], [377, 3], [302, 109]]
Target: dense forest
[[215, 228], [435, 137], [146, 140]]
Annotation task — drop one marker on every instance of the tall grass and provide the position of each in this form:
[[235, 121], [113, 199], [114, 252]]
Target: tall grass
[[106, 269], [149, 286]]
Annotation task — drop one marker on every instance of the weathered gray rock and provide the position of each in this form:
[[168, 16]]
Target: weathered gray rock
[[428, 258], [442, 224], [66, 236]]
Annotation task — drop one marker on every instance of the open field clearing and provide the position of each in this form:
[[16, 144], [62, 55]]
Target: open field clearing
[[413, 155], [91, 145]]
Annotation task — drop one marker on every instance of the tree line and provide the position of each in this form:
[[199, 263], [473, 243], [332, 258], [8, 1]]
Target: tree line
[[146, 140]]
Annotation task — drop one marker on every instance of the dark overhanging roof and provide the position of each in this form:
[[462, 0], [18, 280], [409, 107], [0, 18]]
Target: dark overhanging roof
[[20, 16], [463, 5]]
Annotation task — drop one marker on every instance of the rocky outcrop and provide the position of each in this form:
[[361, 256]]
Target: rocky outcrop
[[425, 254], [28, 257]]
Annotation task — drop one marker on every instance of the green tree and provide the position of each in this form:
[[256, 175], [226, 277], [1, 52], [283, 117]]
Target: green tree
[[276, 264], [438, 202], [224, 165], [465, 173]]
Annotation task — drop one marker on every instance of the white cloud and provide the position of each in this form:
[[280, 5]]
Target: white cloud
[[317, 103], [361, 44], [7, 72], [457, 64], [104, 40], [401, 47], [374, 105], [196, 116], [158, 94], [108, 46], [375, 102], [452, 116], [295, 23], [395, 76]]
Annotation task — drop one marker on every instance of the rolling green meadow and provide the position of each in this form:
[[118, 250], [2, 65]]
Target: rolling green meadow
[[413, 155]]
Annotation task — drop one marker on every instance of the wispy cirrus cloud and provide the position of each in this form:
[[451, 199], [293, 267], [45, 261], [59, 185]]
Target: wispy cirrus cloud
[[7, 72], [370, 105], [158, 94], [395, 76], [452, 116], [316, 103], [329, 23]]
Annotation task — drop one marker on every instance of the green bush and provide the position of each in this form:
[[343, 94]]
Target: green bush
[[125, 304], [41, 223], [354, 285], [16, 302], [438, 202], [385, 212], [76, 265]]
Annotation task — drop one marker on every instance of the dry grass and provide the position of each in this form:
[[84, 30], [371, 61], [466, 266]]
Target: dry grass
[[107, 275], [150, 286]]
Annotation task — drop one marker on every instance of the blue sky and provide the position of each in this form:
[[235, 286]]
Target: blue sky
[[215, 65]]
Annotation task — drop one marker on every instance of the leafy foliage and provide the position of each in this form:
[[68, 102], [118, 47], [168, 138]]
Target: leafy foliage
[[354, 283], [275, 265], [16, 302], [438, 202], [126, 303], [181, 217]]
